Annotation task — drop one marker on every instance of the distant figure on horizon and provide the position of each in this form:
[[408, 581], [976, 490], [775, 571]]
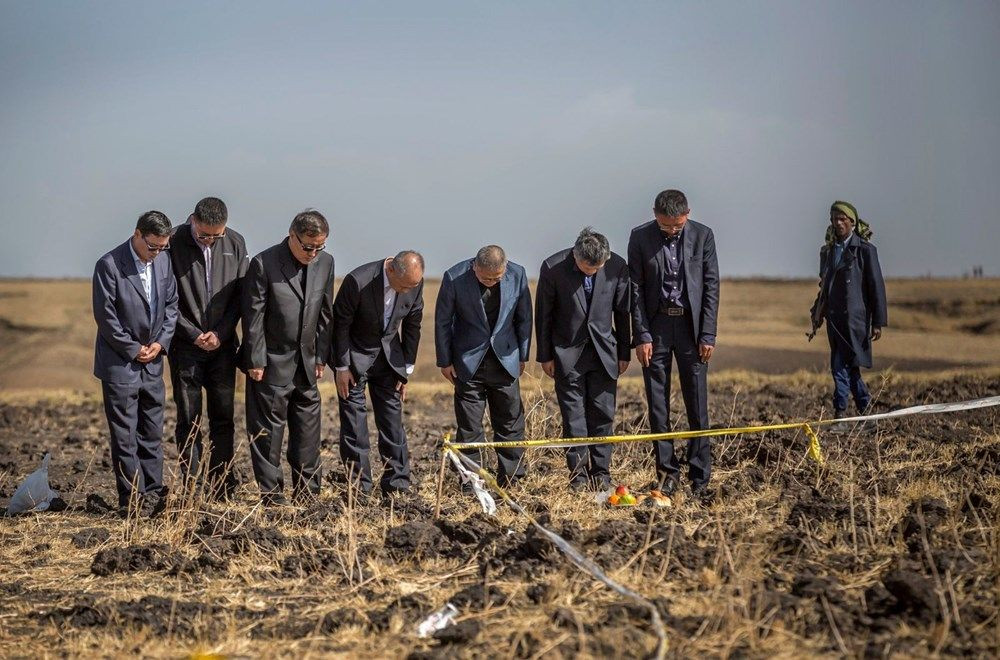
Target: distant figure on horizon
[[675, 279], [482, 336], [852, 301], [287, 298], [376, 332], [135, 306], [209, 260], [582, 326]]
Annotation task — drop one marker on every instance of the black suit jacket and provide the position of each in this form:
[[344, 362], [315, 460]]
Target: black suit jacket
[[701, 278], [282, 325], [358, 335], [198, 314], [563, 323]]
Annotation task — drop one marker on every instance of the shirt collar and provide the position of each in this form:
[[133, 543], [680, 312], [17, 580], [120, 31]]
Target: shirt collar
[[139, 262]]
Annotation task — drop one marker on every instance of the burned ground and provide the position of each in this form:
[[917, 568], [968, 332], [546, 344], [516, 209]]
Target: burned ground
[[889, 547]]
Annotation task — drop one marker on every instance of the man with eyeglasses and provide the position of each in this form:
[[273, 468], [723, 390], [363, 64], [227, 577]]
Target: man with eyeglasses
[[135, 306], [209, 261], [482, 334], [675, 279], [287, 297]]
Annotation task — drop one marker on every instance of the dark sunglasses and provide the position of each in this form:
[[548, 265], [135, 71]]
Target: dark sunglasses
[[309, 248], [210, 237], [156, 249]]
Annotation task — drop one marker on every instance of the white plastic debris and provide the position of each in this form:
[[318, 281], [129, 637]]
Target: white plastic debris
[[441, 619], [478, 485], [34, 494]]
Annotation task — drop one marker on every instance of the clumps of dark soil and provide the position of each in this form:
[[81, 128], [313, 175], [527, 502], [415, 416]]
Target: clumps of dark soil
[[297, 627], [911, 595], [316, 562], [160, 615], [921, 520], [90, 537], [404, 607], [223, 537], [417, 539], [97, 505], [478, 597], [133, 558], [205, 563], [477, 529], [462, 632]]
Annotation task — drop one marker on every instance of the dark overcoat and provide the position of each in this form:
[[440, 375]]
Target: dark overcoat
[[855, 299]]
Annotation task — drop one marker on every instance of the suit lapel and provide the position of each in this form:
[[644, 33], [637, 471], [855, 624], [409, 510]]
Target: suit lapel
[[600, 277], [575, 278], [657, 243], [378, 298], [475, 297], [158, 271], [507, 297], [289, 270], [127, 265]]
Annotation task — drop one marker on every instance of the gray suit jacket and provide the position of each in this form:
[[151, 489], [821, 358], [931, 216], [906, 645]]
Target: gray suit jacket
[[282, 325], [462, 332], [123, 319], [701, 278], [564, 323], [358, 335]]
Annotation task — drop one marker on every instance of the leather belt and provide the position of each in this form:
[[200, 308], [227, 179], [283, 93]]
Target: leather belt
[[671, 311]]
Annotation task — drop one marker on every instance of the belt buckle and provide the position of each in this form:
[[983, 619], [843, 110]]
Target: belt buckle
[[675, 311]]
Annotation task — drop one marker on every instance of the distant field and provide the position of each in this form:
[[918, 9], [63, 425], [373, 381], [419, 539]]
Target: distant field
[[47, 331]]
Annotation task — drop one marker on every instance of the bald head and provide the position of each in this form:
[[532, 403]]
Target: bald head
[[405, 271]]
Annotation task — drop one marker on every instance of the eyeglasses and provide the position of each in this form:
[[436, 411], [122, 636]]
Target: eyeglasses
[[210, 237], [309, 248], [156, 249]]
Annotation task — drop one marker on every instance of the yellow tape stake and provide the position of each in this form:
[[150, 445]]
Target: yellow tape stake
[[814, 450]]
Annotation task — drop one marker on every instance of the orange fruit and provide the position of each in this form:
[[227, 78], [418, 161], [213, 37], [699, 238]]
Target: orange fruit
[[613, 500]]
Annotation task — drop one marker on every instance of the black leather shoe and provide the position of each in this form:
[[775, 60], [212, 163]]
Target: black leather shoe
[[578, 485], [703, 493], [601, 484], [273, 499], [666, 485]]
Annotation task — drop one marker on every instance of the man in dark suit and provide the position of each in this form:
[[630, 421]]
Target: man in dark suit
[[482, 336], [135, 306], [675, 278], [853, 297], [209, 260], [287, 331], [582, 308], [376, 321]]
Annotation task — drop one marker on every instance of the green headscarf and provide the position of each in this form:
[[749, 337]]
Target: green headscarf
[[861, 228]]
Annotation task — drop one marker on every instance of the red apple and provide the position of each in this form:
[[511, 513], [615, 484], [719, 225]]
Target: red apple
[[621, 490]]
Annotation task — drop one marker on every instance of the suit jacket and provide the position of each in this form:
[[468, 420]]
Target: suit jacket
[[123, 319], [358, 335], [198, 314], [701, 277], [282, 325], [563, 322], [855, 299], [462, 332]]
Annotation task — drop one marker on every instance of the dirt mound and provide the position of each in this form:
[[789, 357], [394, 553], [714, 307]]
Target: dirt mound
[[404, 607], [133, 558], [97, 505], [90, 537], [416, 540]]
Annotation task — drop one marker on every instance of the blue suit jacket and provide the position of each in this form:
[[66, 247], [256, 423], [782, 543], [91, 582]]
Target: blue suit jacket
[[122, 314], [461, 331]]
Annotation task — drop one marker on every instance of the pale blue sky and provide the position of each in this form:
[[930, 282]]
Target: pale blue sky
[[446, 126]]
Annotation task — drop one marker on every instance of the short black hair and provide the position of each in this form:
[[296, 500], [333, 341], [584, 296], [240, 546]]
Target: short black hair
[[671, 203], [153, 223], [310, 223], [211, 211]]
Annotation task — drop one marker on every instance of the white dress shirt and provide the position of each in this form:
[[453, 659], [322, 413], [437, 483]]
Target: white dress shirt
[[145, 271]]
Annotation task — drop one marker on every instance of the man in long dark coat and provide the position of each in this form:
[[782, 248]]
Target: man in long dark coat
[[853, 296]]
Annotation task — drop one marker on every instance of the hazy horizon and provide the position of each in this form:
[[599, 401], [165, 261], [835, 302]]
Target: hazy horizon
[[445, 126]]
